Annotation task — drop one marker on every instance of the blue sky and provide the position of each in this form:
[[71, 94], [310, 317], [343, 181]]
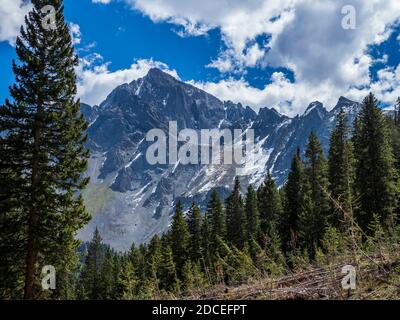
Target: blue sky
[[283, 54]]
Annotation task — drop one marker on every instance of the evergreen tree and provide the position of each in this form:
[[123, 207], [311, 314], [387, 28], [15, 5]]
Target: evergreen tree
[[252, 215], [394, 127], [375, 173], [153, 259], [141, 263], [270, 205], [107, 279], [238, 266], [290, 225], [236, 218], [206, 245], [167, 272], [317, 207], [133, 254], [128, 281], [341, 167], [117, 275], [216, 217], [192, 277], [90, 278], [194, 225], [179, 238], [273, 248], [42, 153], [66, 280]]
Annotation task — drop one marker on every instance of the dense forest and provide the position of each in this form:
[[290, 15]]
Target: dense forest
[[328, 206], [335, 206]]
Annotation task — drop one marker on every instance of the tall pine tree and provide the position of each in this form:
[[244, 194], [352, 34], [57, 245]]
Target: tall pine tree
[[252, 215], [294, 202], [194, 223], [179, 239], [375, 172], [42, 153], [236, 217], [216, 217], [90, 278], [317, 207], [341, 168], [270, 205], [107, 280], [167, 272]]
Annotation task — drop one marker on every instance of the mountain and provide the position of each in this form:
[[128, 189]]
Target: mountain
[[131, 200]]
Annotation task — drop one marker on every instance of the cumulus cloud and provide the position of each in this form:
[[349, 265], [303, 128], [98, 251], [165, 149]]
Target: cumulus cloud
[[293, 98], [96, 81], [12, 13], [287, 97], [240, 23], [313, 27], [305, 36]]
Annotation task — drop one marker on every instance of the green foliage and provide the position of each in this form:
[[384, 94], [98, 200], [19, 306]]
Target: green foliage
[[128, 282], [107, 281], [252, 215], [269, 205], [294, 202], [216, 220], [90, 278], [238, 266], [316, 207], [179, 239], [376, 177], [167, 271], [193, 279], [236, 217], [341, 168], [332, 243], [194, 221], [42, 156]]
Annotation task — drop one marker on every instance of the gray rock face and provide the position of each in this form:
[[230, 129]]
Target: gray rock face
[[131, 200]]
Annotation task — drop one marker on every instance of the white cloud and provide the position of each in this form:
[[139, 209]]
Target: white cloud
[[306, 36], [12, 13], [293, 98], [280, 93], [96, 81], [240, 23], [101, 1], [76, 34]]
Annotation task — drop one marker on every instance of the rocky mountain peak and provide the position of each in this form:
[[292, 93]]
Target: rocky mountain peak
[[315, 106], [159, 77], [131, 199]]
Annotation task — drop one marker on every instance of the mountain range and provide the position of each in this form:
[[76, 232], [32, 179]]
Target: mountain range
[[131, 200]]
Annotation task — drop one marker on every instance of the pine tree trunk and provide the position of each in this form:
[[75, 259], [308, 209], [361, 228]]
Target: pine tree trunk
[[31, 257], [32, 250]]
